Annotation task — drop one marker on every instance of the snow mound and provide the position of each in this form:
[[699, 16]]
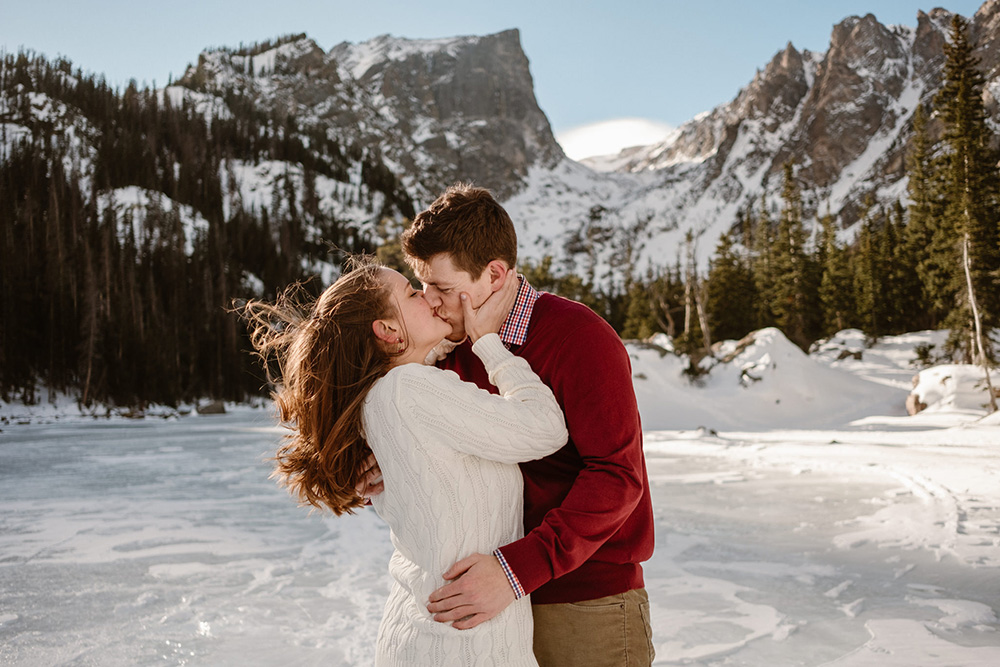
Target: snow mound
[[762, 381], [890, 360], [849, 343], [954, 387]]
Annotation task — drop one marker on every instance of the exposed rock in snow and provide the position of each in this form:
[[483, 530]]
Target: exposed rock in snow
[[954, 387]]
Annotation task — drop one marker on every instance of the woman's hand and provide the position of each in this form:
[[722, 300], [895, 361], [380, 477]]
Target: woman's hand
[[490, 316]]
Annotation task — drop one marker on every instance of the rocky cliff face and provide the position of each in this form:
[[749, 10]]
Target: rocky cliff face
[[842, 116], [437, 111], [467, 106]]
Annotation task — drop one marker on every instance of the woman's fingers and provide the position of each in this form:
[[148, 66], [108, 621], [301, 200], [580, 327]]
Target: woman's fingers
[[489, 317]]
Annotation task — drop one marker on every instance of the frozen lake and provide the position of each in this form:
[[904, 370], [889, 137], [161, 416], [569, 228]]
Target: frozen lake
[[164, 542]]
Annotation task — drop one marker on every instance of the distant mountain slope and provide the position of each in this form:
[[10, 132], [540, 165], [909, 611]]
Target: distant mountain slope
[[412, 116], [843, 117], [436, 111]]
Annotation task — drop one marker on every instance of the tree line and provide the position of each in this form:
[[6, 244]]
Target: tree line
[[123, 308]]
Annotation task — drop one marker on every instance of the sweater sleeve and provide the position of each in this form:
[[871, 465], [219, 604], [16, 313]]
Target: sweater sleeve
[[521, 423], [595, 388]]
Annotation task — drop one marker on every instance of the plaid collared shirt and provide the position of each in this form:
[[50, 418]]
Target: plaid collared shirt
[[514, 332], [515, 328]]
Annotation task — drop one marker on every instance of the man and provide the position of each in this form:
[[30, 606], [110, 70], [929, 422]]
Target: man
[[587, 510]]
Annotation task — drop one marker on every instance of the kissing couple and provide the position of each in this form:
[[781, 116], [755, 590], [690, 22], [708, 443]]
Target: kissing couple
[[493, 427]]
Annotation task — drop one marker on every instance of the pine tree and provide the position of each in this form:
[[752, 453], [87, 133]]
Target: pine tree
[[539, 274], [869, 273], [904, 294], [762, 266], [696, 337], [794, 296], [730, 293], [836, 288], [390, 249], [639, 319], [971, 187], [666, 289], [924, 216]]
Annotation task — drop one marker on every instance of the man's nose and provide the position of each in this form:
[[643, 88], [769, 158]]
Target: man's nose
[[432, 296]]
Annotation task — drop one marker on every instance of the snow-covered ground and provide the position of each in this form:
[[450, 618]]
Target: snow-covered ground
[[801, 519]]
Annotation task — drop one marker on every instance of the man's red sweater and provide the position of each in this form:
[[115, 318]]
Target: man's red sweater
[[588, 518]]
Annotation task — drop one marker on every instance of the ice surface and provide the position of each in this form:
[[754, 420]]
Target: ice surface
[[163, 542], [864, 538]]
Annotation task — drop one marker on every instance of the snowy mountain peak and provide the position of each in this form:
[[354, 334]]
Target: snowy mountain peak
[[366, 58], [219, 67], [463, 108], [842, 117], [434, 111]]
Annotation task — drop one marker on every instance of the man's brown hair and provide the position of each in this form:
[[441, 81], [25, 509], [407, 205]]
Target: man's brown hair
[[467, 223]]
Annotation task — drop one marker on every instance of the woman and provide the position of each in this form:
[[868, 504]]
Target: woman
[[353, 383]]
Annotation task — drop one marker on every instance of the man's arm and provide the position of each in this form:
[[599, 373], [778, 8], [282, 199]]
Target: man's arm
[[603, 421], [602, 418]]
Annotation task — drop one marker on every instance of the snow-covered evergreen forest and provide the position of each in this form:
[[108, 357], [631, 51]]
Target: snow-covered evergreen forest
[[134, 219]]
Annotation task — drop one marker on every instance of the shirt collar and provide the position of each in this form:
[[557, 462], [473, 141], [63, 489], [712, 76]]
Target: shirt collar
[[515, 328]]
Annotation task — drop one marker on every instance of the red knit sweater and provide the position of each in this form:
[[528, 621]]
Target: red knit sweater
[[587, 513]]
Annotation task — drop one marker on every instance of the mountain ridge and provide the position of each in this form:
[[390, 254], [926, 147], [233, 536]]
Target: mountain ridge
[[434, 111], [437, 110], [843, 116]]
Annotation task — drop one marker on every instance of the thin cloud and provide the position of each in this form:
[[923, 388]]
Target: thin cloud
[[609, 137]]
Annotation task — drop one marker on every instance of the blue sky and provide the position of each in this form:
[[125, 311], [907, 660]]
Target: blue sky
[[664, 61]]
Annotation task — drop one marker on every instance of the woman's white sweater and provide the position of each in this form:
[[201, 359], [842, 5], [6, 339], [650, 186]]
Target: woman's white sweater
[[448, 453]]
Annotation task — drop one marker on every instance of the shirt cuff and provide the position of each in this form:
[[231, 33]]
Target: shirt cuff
[[511, 577], [440, 351]]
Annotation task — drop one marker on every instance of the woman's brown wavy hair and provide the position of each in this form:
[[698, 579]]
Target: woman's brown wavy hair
[[327, 359]]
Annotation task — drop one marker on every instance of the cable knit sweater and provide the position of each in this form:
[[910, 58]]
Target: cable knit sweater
[[448, 453]]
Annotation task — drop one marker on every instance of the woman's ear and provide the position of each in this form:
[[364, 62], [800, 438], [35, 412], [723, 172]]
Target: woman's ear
[[385, 330]]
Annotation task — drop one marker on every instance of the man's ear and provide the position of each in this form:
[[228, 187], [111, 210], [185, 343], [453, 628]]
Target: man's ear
[[497, 270], [385, 331]]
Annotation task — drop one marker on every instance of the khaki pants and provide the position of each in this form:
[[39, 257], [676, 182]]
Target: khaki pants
[[606, 632]]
